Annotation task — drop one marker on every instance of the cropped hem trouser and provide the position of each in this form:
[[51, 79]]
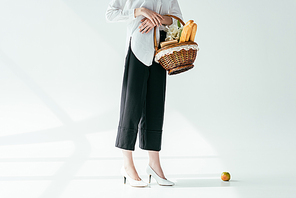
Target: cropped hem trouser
[[142, 104]]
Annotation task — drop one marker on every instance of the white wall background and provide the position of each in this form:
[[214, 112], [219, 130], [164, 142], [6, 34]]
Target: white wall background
[[61, 68]]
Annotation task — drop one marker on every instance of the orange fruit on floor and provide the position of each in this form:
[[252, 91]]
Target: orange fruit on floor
[[225, 176]]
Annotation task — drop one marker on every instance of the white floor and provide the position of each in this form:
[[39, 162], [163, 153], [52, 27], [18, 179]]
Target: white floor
[[88, 166]]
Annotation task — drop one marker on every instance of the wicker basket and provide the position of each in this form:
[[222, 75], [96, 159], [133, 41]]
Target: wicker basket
[[176, 58]]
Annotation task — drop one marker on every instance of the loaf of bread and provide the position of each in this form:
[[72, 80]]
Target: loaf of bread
[[186, 33], [193, 32], [189, 31], [188, 22], [165, 43]]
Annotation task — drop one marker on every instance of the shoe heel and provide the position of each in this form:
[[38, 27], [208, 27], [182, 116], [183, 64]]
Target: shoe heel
[[132, 182], [159, 180]]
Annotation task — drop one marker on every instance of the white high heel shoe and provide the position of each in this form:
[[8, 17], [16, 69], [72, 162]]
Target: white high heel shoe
[[160, 181], [131, 181]]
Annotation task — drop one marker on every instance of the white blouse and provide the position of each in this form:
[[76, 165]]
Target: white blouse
[[142, 45]]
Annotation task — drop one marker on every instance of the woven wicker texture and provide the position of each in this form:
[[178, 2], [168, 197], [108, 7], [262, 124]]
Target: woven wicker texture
[[178, 61]]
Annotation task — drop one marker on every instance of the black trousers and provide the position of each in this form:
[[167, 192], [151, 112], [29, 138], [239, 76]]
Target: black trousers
[[142, 104]]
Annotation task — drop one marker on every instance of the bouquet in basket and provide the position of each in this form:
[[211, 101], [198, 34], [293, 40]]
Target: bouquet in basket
[[179, 51], [176, 33]]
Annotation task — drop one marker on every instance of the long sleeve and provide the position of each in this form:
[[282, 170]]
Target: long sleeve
[[116, 11], [142, 45], [175, 10]]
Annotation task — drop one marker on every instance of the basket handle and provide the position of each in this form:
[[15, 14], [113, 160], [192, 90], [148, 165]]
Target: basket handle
[[155, 43]]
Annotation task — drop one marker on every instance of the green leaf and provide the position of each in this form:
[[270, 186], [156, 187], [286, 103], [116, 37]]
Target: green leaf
[[179, 24], [180, 34]]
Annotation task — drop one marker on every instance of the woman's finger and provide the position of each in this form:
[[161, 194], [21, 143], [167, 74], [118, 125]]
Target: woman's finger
[[145, 21], [143, 28], [156, 23], [150, 27], [148, 30], [152, 21], [143, 24], [154, 17], [159, 18], [147, 25]]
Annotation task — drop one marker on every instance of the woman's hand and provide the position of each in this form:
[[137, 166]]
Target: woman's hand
[[154, 17], [146, 26]]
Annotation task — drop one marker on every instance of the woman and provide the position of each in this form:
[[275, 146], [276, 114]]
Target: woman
[[144, 83]]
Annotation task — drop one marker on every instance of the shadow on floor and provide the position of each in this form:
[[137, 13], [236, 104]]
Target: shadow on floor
[[189, 183]]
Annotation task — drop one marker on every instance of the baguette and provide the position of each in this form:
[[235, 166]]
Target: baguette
[[183, 35], [188, 22], [189, 31], [193, 33], [186, 33]]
